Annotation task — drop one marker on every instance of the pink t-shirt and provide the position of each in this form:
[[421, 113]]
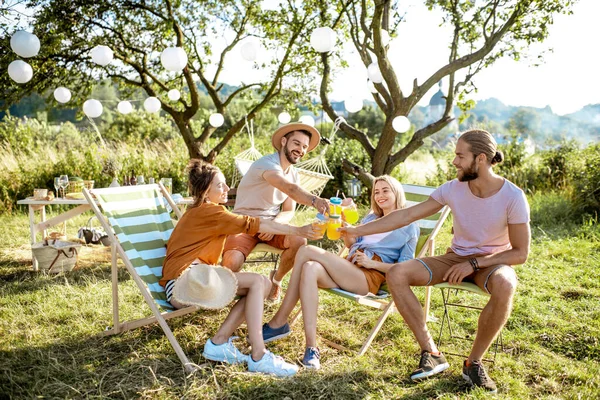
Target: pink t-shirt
[[481, 225]]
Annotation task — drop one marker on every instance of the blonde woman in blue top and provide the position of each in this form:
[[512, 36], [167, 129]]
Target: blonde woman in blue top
[[362, 271]]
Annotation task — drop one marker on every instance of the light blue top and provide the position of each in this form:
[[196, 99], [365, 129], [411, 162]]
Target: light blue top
[[400, 245]]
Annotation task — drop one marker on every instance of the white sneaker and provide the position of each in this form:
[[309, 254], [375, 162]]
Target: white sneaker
[[273, 365], [225, 352]]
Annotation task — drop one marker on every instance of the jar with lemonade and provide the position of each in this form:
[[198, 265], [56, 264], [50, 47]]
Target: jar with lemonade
[[335, 206], [320, 222], [335, 222], [350, 213]]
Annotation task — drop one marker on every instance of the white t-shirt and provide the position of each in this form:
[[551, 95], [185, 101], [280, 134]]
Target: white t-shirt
[[257, 197], [481, 225]]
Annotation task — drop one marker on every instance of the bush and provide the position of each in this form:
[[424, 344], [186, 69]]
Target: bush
[[586, 182]]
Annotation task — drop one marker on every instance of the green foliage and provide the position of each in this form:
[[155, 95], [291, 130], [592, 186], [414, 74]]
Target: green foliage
[[139, 127], [586, 185]]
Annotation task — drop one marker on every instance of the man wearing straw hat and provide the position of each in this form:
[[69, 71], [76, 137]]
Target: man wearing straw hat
[[270, 190]]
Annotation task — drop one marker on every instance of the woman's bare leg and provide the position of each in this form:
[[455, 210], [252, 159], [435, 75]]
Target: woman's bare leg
[[255, 288]]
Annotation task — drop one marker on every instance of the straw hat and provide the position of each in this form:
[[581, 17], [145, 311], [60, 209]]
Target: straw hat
[[285, 129], [206, 286]]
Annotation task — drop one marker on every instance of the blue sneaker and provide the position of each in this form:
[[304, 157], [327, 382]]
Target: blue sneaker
[[312, 358], [225, 352], [270, 334], [272, 365]]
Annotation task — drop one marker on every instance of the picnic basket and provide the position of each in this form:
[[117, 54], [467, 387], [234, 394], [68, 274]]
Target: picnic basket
[[56, 256]]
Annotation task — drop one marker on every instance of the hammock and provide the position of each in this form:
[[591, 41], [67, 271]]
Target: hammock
[[244, 160], [313, 173]]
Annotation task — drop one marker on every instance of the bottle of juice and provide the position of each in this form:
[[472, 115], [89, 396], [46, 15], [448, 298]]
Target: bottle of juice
[[335, 206], [320, 222], [350, 213], [335, 222]]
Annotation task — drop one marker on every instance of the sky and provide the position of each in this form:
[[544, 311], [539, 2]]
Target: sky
[[567, 81]]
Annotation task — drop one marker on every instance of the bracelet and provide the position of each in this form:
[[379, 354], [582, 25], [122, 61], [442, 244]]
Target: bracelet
[[312, 202], [474, 264]]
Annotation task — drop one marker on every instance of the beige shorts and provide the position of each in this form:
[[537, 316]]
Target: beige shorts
[[438, 265]]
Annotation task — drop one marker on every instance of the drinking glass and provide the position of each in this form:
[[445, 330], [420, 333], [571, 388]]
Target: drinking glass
[[57, 185], [63, 181]]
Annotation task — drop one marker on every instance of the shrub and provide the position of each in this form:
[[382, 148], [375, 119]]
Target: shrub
[[586, 182]]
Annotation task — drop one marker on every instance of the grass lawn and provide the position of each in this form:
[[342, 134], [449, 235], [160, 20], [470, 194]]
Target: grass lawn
[[50, 348]]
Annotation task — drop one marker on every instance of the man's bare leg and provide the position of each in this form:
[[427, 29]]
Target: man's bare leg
[[233, 259]]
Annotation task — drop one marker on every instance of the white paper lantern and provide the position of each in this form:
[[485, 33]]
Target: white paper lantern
[[101, 55], [62, 94], [307, 119], [284, 117], [174, 94], [385, 37], [124, 107], [25, 44], [323, 39], [152, 104], [20, 71], [173, 58], [401, 124], [371, 86], [375, 73], [353, 104], [249, 51], [216, 120], [92, 108]]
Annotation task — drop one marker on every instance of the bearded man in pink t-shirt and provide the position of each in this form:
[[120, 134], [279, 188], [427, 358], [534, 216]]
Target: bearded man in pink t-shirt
[[491, 234]]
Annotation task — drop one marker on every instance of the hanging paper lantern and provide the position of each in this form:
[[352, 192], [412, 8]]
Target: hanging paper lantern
[[102, 55], [249, 51], [92, 108], [173, 58], [307, 119], [353, 104], [152, 104], [62, 94], [25, 44], [284, 117], [401, 124], [371, 86], [174, 94], [323, 39], [216, 120], [19, 71], [374, 73], [124, 107]]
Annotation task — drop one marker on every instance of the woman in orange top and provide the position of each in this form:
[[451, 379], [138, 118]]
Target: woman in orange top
[[198, 238]]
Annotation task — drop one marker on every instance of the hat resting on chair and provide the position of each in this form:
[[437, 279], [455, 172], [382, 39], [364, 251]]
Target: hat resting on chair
[[285, 129], [206, 286]]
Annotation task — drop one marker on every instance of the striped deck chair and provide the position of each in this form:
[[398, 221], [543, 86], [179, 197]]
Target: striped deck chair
[[139, 227], [429, 228]]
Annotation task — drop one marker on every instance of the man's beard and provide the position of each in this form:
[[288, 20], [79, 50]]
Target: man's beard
[[469, 174], [288, 155]]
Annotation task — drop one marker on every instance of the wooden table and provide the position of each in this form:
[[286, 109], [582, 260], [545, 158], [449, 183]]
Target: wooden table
[[42, 226]]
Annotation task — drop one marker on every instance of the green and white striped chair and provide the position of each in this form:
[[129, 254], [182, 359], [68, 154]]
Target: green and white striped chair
[[139, 227], [429, 228]]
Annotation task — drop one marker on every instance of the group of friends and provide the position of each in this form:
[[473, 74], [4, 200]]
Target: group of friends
[[210, 244]]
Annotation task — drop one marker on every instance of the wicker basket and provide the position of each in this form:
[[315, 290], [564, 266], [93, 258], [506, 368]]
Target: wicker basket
[[56, 256]]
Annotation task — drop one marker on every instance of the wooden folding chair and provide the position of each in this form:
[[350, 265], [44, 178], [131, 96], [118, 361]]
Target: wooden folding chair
[[139, 227], [429, 227]]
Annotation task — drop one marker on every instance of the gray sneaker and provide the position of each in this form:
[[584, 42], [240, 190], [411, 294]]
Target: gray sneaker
[[475, 374], [429, 365], [225, 352]]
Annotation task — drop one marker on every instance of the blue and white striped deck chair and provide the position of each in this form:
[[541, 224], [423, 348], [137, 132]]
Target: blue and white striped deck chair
[[139, 227], [429, 228]]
